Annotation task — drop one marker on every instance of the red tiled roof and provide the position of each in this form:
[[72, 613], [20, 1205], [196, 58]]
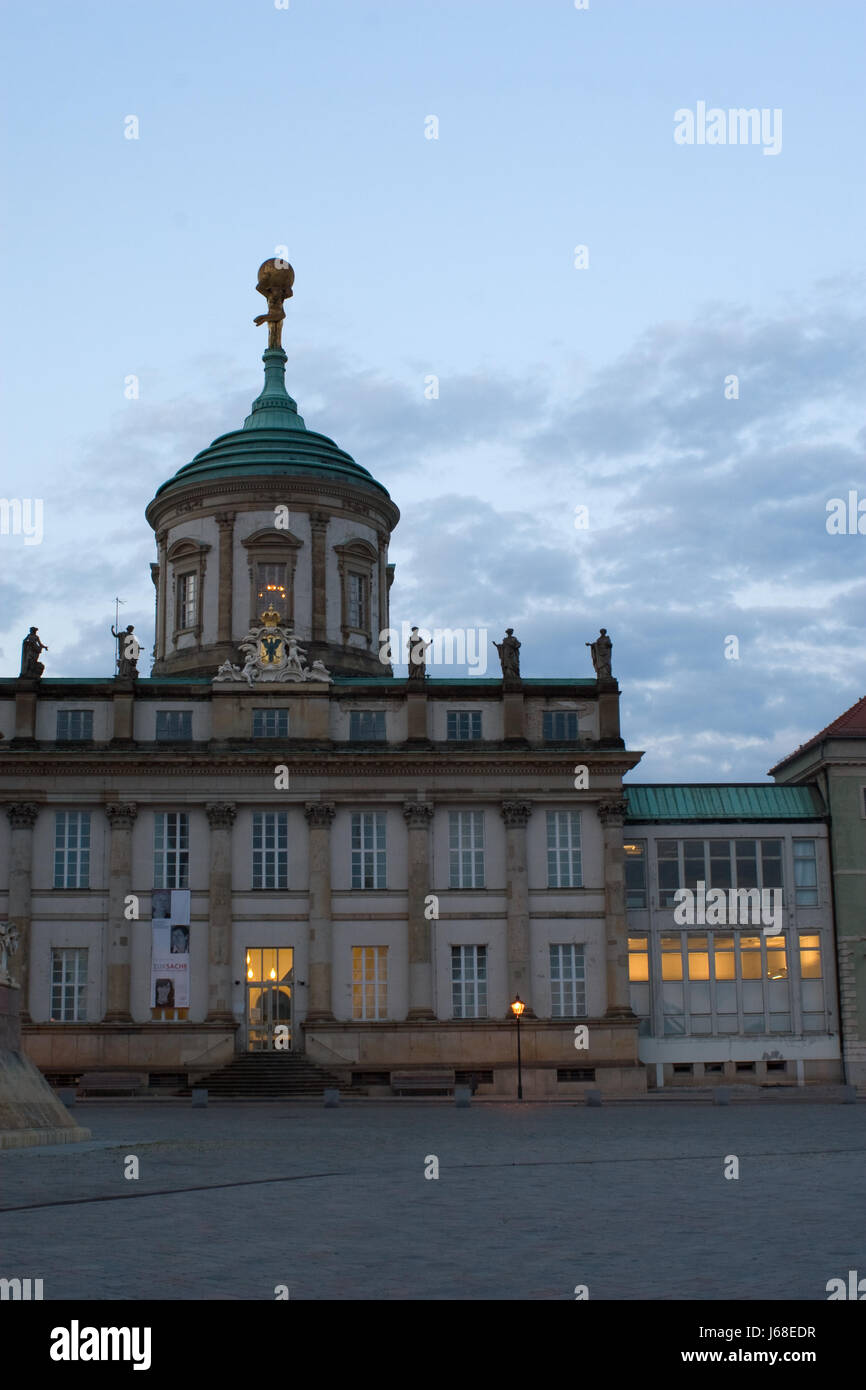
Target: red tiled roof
[[851, 724]]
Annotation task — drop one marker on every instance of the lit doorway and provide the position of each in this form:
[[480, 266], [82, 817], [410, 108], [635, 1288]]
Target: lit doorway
[[269, 998]]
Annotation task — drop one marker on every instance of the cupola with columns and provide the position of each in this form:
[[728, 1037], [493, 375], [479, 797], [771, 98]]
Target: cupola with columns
[[272, 515]]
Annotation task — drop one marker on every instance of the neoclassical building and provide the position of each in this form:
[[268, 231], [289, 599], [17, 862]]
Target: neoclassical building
[[361, 868], [273, 848]]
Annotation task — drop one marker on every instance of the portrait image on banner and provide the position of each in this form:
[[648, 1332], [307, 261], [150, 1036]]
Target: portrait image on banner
[[170, 926]]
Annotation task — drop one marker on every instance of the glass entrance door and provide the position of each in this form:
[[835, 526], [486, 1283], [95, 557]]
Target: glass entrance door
[[269, 998]]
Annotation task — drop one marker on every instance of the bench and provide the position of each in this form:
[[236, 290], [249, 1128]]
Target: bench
[[112, 1083], [423, 1082]]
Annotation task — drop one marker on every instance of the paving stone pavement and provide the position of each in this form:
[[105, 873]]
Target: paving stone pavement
[[530, 1201]]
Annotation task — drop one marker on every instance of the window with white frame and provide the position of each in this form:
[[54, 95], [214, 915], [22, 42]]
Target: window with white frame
[[270, 723], [69, 985], [173, 725], [563, 849], [370, 982], [812, 983], [72, 849], [559, 725], [466, 848], [724, 982], [469, 981], [187, 601], [272, 589], [74, 724], [171, 849], [367, 725], [356, 589], [368, 849], [567, 981], [718, 863], [463, 725], [635, 873], [270, 849], [805, 873], [638, 981]]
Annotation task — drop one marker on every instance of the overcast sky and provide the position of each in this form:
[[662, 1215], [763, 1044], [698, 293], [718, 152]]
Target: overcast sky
[[602, 387]]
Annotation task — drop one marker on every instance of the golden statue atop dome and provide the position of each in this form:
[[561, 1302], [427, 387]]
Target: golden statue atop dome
[[276, 278]]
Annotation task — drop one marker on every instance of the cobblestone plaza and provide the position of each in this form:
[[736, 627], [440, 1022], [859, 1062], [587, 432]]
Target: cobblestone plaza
[[530, 1201]]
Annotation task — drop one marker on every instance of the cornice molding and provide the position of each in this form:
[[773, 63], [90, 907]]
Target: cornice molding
[[211, 764]]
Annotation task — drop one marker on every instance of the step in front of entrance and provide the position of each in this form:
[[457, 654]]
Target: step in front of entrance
[[265, 1076]]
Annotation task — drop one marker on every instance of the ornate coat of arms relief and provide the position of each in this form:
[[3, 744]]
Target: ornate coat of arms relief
[[272, 654]]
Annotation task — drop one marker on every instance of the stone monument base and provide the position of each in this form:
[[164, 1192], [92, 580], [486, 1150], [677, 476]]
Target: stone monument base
[[30, 1112]]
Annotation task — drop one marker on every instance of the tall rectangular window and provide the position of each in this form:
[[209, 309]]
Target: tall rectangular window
[[469, 981], [567, 981], [635, 873], [69, 985], [171, 849], [358, 601], [270, 849], [805, 873], [638, 976], [368, 849], [272, 587], [270, 723], [72, 849], [463, 724], [466, 848], [173, 725], [811, 982], [563, 849], [559, 725], [74, 724], [187, 600], [369, 981], [367, 725]]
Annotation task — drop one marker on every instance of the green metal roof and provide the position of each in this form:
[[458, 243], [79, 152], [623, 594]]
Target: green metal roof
[[273, 440], [704, 801]]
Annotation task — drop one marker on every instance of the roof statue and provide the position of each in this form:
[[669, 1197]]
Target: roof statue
[[600, 651], [276, 278]]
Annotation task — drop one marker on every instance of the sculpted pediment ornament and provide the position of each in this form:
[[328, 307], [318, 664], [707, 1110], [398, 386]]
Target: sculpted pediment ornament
[[272, 654]]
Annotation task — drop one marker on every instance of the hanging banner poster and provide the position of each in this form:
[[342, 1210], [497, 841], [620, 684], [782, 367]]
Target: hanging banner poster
[[169, 970]]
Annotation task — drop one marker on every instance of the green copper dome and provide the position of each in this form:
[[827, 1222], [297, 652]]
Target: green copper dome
[[274, 439]]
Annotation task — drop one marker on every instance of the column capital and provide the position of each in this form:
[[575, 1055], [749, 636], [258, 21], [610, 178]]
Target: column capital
[[417, 814], [612, 812], [319, 522], [224, 520], [319, 814], [515, 813], [22, 814], [121, 813], [220, 813]]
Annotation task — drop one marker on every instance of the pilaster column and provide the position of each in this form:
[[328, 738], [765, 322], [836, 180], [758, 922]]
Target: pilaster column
[[320, 816], [159, 636], [318, 528], [22, 818], [383, 591], [516, 816], [121, 817], [221, 817], [226, 523], [419, 816], [612, 814]]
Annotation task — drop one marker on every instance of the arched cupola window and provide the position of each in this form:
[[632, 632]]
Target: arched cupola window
[[357, 560], [187, 558], [272, 556]]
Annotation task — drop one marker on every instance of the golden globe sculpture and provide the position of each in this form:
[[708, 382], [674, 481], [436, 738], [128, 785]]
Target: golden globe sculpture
[[276, 278]]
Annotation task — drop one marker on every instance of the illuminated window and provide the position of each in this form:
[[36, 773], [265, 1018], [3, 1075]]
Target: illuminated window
[[811, 983], [635, 873], [638, 975], [370, 982], [272, 587]]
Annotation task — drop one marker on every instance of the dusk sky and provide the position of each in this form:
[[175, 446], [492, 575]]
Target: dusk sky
[[560, 386]]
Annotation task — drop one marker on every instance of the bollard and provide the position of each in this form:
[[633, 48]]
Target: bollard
[[849, 1095], [721, 1096], [462, 1096], [199, 1097], [332, 1098], [593, 1097]]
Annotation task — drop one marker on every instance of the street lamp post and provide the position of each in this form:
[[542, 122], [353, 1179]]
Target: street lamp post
[[517, 1007]]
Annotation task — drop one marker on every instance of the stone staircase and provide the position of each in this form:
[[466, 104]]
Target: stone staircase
[[267, 1076]]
